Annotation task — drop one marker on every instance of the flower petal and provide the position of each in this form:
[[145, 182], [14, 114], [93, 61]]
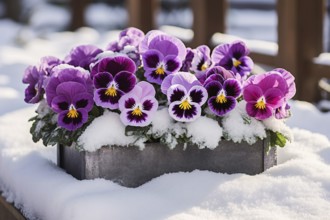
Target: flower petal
[[125, 81], [102, 80], [232, 88], [274, 97], [257, 113], [151, 59], [72, 124], [60, 103], [213, 88], [172, 63], [221, 109], [198, 94], [252, 93], [83, 101], [176, 93], [107, 101], [115, 65], [129, 118], [182, 115]]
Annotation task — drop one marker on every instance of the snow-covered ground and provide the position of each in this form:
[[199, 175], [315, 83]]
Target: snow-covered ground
[[297, 188]]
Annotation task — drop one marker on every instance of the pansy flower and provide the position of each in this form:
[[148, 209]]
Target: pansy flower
[[138, 106], [161, 55], [66, 73], [201, 62], [186, 96], [34, 91], [115, 79], [37, 77], [82, 56], [264, 94], [128, 43], [218, 73], [187, 62], [73, 103], [222, 94], [233, 57]]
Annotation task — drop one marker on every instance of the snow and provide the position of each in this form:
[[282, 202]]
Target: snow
[[238, 130], [297, 188], [205, 132], [104, 130]]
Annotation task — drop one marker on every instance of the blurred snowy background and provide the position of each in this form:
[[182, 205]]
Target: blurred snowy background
[[298, 188]]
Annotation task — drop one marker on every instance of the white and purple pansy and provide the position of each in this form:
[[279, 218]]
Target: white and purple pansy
[[116, 80], [185, 97], [138, 106]]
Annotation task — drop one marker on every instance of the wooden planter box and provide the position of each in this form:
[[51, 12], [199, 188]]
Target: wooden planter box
[[131, 167]]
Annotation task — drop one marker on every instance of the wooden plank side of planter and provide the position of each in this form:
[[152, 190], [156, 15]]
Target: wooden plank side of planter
[[132, 167], [8, 211]]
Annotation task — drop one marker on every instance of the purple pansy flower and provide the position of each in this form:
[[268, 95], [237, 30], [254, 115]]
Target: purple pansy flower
[[201, 61], [157, 67], [186, 96], [217, 73], [113, 65], [128, 43], [116, 79], [283, 111], [73, 102], [138, 106], [128, 37], [264, 94], [162, 55], [222, 94], [34, 91], [186, 64], [233, 57], [37, 76], [66, 73], [82, 56]]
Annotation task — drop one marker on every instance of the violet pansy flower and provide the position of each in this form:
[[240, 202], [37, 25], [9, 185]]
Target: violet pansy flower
[[66, 73], [83, 56], [187, 62], [162, 55], [201, 61], [37, 78], [264, 94], [185, 97], [116, 80], [157, 67], [128, 43], [222, 95], [138, 106], [233, 57], [73, 102], [34, 91]]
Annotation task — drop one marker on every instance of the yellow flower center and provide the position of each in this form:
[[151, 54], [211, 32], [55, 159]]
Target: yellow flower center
[[73, 113], [137, 111], [221, 99], [160, 70], [236, 63], [185, 105], [261, 104], [111, 91], [204, 67]]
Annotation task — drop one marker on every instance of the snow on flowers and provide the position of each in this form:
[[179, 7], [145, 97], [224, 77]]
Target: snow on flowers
[[139, 75]]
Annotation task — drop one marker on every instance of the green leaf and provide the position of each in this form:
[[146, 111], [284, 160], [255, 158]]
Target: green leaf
[[277, 139]]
